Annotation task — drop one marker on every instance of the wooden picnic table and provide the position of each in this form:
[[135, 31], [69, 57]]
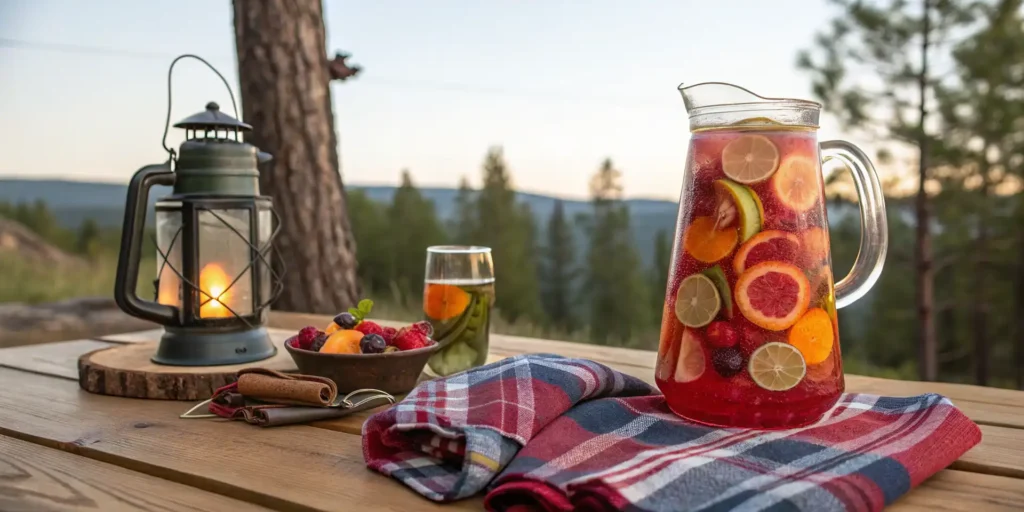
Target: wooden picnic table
[[63, 448]]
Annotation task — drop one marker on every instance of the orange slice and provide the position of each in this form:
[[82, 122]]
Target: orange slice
[[771, 245], [750, 159], [773, 294], [691, 363], [777, 366], [444, 301], [797, 184], [708, 242], [813, 335]]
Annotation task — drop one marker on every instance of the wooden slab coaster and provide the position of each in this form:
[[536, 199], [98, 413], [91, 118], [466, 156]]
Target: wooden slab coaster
[[126, 370]]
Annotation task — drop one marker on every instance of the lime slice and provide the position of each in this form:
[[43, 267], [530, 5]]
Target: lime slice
[[691, 358], [750, 159], [777, 366], [697, 301], [717, 276]]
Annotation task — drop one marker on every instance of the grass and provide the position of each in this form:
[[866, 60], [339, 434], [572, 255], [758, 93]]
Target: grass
[[30, 282]]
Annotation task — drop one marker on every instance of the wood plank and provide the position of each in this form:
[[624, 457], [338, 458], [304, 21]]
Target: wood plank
[[959, 491], [133, 337], [235, 459], [34, 477], [283, 467], [1001, 451], [58, 359]]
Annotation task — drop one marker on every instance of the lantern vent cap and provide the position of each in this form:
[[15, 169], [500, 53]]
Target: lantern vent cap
[[212, 119]]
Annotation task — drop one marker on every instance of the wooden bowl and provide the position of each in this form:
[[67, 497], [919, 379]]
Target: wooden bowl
[[393, 372]]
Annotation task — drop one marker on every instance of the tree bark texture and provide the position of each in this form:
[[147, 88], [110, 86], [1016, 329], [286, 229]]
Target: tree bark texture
[[286, 97], [925, 272]]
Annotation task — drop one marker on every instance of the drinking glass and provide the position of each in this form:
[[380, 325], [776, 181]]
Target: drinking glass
[[458, 294]]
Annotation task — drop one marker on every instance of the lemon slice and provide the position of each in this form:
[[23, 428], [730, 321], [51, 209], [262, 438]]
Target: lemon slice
[[750, 159], [697, 301], [777, 366]]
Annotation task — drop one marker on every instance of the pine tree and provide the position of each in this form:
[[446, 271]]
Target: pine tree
[[463, 226], [414, 227], [614, 284], [893, 40], [373, 237], [558, 271], [983, 113], [507, 229], [659, 270]]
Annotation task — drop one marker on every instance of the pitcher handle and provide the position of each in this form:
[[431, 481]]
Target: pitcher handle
[[874, 231]]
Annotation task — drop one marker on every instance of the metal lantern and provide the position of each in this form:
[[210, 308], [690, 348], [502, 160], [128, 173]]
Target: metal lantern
[[214, 234]]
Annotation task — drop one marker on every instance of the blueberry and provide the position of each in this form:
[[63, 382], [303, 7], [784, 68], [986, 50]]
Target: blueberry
[[727, 361], [372, 344], [318, 341], [346, 320]]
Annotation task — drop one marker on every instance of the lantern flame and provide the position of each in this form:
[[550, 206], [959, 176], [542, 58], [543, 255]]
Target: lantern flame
[[214, 281]]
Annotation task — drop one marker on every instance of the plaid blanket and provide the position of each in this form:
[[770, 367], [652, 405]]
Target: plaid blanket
[[544, 432]]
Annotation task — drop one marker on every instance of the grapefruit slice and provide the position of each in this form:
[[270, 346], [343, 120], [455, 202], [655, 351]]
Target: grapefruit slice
[[773, 295], [740, 201], [708, 242], [770, 245], [797, 183], [750, 159], [697, 301], [777, 366], [691, 363], [813, 335]]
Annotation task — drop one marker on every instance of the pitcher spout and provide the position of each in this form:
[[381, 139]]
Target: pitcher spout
[[721, 104]]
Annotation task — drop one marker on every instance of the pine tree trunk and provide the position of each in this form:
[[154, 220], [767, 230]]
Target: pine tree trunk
[[927, 358], [979, 317], [282, 68]]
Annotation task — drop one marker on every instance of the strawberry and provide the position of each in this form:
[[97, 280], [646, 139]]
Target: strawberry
[[368, 327], [410, 339], [389, 334]]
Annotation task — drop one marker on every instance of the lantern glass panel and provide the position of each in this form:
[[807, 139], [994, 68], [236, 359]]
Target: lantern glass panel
[[224, 256], [168, 240], [266, 220]]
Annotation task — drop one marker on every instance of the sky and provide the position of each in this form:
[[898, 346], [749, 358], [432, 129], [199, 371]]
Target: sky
[[560, 85]]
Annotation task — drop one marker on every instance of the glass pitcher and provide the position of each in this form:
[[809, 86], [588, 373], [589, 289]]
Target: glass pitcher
[[749, 335]]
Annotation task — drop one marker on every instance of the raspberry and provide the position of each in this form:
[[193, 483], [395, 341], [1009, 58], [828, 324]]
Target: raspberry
[[409, 339], [305, 338], [389, 334], [423, 327], [318, 341], [368, 327]]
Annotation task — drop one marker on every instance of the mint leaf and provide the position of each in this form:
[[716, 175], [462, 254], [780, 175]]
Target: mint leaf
[[362, 310], [365, 305]]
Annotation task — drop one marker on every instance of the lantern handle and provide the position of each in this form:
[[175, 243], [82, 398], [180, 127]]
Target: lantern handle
[[127, 277], [170, 71]]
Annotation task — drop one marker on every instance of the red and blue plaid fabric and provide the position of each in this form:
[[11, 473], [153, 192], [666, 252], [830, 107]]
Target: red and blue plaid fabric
[[544, 432]]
